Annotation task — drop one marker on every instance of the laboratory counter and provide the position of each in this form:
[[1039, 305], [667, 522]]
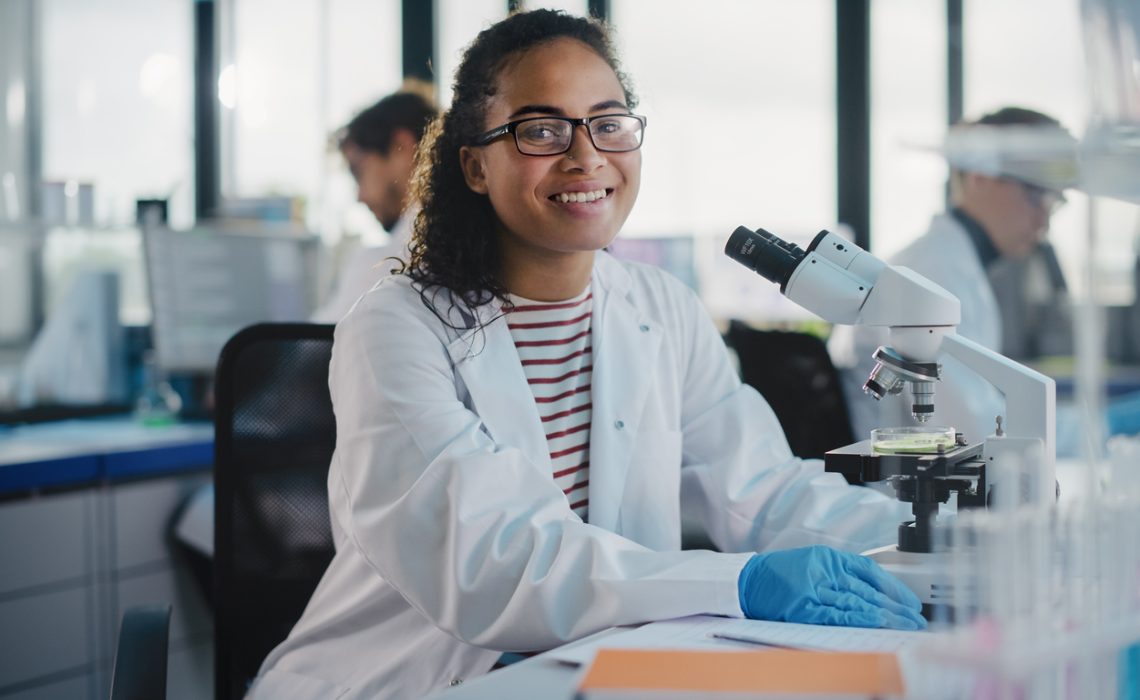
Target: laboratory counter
[[76, 453], [87, 508]]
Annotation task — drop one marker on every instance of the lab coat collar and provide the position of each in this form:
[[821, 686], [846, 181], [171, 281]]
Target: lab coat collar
[[626, 343], [485, 357], [608, 276], [984, 245]]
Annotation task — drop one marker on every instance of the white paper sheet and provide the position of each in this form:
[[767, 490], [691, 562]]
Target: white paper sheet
[[789, 634], [698, 632]]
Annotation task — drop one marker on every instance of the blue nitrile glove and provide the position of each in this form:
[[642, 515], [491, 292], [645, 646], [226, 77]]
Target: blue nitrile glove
[[1123, 415], [824, 586]]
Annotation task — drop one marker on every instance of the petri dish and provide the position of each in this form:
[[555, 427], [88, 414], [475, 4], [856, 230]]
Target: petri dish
[[911, 439]]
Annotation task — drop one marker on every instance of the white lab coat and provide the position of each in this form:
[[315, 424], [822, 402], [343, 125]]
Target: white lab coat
[[364, 268], [453, 541], [946, 255]]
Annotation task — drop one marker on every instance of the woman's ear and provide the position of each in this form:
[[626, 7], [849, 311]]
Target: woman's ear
[[472, 163]]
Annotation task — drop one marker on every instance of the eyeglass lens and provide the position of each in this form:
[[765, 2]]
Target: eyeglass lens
[[1045, 199], [545, 136]]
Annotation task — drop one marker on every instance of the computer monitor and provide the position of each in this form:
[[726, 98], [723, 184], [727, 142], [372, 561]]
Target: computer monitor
[[209, 282]]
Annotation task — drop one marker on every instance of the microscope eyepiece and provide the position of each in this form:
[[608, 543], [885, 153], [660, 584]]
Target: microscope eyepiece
[[770, 256]]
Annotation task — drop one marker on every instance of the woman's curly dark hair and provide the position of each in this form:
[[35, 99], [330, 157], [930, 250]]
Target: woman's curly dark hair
[[454, 244]]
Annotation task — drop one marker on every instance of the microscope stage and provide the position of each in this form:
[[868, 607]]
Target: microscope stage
[[859, 463]]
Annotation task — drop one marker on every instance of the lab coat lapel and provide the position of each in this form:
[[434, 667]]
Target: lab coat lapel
[[626, 345], [489, 365]]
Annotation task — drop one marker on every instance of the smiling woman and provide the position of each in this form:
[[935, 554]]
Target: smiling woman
[[546, 235], [520, 415], [468, 245]]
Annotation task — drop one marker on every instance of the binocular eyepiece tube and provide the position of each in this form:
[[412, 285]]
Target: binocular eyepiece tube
[[764, 253]]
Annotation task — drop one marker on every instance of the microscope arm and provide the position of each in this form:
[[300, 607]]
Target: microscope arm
[[1030, 397]]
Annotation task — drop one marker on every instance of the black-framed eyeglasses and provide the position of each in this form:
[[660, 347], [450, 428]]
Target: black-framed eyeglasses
[[551, 136]]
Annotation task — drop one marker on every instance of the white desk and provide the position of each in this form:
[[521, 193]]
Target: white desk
[[538, 677], [534, 678], [544, 676]]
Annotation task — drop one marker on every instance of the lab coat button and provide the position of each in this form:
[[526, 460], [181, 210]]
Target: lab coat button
[[619, 424], [455, 681], [644, 328]]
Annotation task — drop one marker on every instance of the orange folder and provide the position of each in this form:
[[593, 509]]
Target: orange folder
[[621, 673]]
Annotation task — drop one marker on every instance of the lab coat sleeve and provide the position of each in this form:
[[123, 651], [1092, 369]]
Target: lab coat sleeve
[[740, 479], [470, 532]]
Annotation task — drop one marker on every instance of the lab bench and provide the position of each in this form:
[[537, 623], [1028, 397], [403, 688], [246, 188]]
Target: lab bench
[[85, 513]]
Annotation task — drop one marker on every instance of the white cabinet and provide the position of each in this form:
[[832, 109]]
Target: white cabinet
[[45, 634], [70, 564], [49, 593], [46, 541]]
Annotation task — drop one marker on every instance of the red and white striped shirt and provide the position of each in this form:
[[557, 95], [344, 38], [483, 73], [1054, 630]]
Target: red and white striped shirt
[[554, 344]]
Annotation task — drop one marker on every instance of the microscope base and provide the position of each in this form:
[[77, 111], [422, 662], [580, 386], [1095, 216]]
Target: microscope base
[[929, 576]]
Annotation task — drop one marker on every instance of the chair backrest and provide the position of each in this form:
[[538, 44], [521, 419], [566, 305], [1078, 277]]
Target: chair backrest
[[794, 373], [140, 657], [274, 438]]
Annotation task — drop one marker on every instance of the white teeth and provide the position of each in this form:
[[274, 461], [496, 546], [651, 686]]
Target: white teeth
[[566, 197]]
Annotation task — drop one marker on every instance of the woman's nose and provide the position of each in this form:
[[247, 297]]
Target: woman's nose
[[582, 154]]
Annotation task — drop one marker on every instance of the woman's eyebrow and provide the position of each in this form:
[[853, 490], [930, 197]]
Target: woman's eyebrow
[[609, 104], [537, 109], [559, 112]]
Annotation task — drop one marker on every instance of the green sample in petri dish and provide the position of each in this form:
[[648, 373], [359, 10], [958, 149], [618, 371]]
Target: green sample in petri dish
[[912, 439]]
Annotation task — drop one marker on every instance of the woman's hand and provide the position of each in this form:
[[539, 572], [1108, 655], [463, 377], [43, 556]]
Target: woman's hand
[[824, 586]]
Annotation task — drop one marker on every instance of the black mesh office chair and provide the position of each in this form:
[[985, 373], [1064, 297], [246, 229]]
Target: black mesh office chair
[[274, 437], [794, 373]]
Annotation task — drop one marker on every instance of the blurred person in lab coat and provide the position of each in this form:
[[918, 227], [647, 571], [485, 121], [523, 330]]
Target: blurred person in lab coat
[[995, 218], [521, 417], [379, 145]]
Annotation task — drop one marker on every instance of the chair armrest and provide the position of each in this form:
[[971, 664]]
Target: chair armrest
[[140, 659]]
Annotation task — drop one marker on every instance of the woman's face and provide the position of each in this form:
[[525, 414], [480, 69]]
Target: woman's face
[[562, 78]]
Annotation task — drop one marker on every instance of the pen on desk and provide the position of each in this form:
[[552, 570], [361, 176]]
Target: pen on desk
[[745, 640]]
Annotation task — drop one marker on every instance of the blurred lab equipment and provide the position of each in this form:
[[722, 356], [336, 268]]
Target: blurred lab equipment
[[39, 269], [844, 284], [1048, 598], [1041, 155], [152, 212], [19, 249], [69, 203], [157, 403], [1110, 147], [1045, 602], [78, 357]]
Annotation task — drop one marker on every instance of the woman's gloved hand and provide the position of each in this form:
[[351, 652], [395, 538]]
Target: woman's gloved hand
[[824, 586]]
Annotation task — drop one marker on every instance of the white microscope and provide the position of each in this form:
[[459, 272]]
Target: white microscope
[[845, 284]]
